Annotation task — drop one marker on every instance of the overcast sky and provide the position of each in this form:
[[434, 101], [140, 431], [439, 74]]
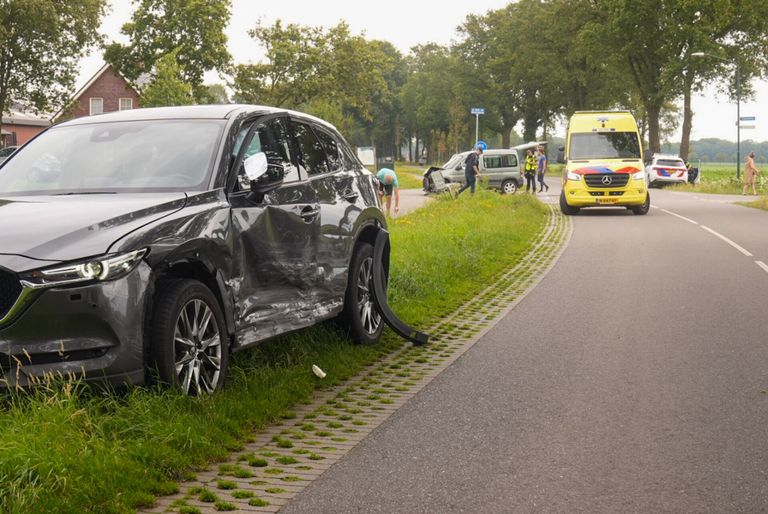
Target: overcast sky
[[406, 23]]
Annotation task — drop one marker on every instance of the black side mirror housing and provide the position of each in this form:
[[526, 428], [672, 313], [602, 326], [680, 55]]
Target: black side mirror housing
[[269, 181]]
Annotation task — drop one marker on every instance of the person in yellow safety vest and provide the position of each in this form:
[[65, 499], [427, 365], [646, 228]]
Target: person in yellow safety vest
[[530, 171]]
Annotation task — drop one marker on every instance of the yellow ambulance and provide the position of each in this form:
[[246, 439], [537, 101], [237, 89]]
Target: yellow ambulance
[[603, 163]]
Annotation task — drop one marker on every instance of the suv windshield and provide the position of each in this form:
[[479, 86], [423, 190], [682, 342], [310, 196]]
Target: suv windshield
[[454, 161], [132, 156], [604, 145]]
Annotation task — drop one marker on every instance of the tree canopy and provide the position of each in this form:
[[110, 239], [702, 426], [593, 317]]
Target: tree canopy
[[41, 42]]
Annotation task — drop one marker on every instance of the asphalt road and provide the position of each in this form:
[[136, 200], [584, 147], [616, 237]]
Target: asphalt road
[[632, 379]]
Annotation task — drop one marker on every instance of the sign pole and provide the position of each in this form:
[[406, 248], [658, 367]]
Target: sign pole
[[477, 128]]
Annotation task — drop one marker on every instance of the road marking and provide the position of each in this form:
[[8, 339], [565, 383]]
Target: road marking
[[655, 207], [689, 220], [762, 265], [739, 248]]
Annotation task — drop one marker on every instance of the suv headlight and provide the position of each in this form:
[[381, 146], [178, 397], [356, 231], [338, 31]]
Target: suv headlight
[[573, 176], [108, 267], [640, 175]]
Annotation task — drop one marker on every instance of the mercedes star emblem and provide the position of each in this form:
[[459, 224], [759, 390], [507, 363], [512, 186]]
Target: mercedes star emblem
[[607, 180]]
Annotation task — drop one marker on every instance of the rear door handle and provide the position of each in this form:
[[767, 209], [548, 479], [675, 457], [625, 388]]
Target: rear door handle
[[310, 212]]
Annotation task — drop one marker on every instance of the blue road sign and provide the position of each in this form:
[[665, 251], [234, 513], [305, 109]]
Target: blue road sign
[[747, 118], [477, 110], [482, 144]]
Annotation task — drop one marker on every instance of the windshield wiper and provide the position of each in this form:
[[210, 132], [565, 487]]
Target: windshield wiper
[[86, 193]]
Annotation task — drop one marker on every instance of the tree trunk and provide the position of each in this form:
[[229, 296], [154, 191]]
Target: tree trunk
[[685, 141], [530, 125], [410, 147], [416, 154], [505, 136], [654, 134]]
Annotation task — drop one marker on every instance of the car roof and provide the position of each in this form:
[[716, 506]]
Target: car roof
[[223, 111], [667, 156]]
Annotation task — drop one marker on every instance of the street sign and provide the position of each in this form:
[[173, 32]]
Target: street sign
[[477, 110], [747, 118], [482, 145], [745, 127]]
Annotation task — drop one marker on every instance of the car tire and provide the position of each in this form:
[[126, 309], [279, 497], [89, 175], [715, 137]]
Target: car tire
[[565, 208], [641, 210], [183, 358], [509, 187], [362, 321]]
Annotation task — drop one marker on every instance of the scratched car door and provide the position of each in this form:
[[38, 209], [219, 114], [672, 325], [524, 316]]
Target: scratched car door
[[277, 237]]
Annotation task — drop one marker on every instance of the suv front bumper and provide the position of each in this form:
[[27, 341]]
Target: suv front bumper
[[93, 332]]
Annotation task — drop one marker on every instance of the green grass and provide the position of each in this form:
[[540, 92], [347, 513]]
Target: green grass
[[721, 179], [759, 203], [66, 450]]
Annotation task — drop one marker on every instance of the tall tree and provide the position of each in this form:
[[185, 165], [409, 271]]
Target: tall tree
[[193, 28], [329, 72], [167, 86], [41, 43], [656, 40]]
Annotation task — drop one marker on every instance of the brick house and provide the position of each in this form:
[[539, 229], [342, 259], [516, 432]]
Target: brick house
[[106, 91], [19, 126]]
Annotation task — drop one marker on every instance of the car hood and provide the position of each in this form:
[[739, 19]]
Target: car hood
[[63, 228]]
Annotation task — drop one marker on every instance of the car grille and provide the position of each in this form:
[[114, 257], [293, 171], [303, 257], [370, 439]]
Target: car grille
[[617, 179], [10, 289]]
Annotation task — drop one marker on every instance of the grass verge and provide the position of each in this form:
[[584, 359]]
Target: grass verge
[[759, 203], [722, 180], [64, 450]]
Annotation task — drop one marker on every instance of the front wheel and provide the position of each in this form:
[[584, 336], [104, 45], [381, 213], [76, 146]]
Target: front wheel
[[641, 210], [360, 316], [565, 208], [509, 187], [188, 340]]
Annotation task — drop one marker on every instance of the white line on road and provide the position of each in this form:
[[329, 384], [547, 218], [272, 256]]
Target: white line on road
[[689, 220], [739, 248], [762, 265]]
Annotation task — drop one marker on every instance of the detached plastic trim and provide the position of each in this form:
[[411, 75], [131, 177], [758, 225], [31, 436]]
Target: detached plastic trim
[[380, 294]]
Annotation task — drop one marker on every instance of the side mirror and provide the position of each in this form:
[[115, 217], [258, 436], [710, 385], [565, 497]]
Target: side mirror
[[459, 167], [561, 155], [263, 177], [255, 166]]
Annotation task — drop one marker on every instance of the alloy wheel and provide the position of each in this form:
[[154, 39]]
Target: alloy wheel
[[369, 316], [197, 347]]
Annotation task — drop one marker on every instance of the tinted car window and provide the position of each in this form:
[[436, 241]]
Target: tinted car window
[[331, 150], [273, 139], [500, 161], [312, 153], [113, 157]]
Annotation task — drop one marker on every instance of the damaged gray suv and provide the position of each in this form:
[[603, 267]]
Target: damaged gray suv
[[161, 240]]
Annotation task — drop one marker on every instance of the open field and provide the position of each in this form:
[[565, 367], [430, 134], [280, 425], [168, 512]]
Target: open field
[[64, 449], [721, 179]]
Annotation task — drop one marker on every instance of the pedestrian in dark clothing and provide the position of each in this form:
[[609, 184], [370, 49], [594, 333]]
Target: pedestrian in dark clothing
[[471, 170], [542, 168], [530, 171]]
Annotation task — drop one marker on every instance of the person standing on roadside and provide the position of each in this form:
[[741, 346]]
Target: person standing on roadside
[[530, 171], [387, 186], [542, 169], [750, 172], [471, 170]]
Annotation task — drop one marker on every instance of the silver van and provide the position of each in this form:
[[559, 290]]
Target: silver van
[[501, 168]]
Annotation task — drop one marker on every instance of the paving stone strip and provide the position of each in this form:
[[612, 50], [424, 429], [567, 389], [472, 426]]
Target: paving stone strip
[[283, 459]]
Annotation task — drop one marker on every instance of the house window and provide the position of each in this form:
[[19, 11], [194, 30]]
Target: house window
[[97, 105], [126, 104]]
